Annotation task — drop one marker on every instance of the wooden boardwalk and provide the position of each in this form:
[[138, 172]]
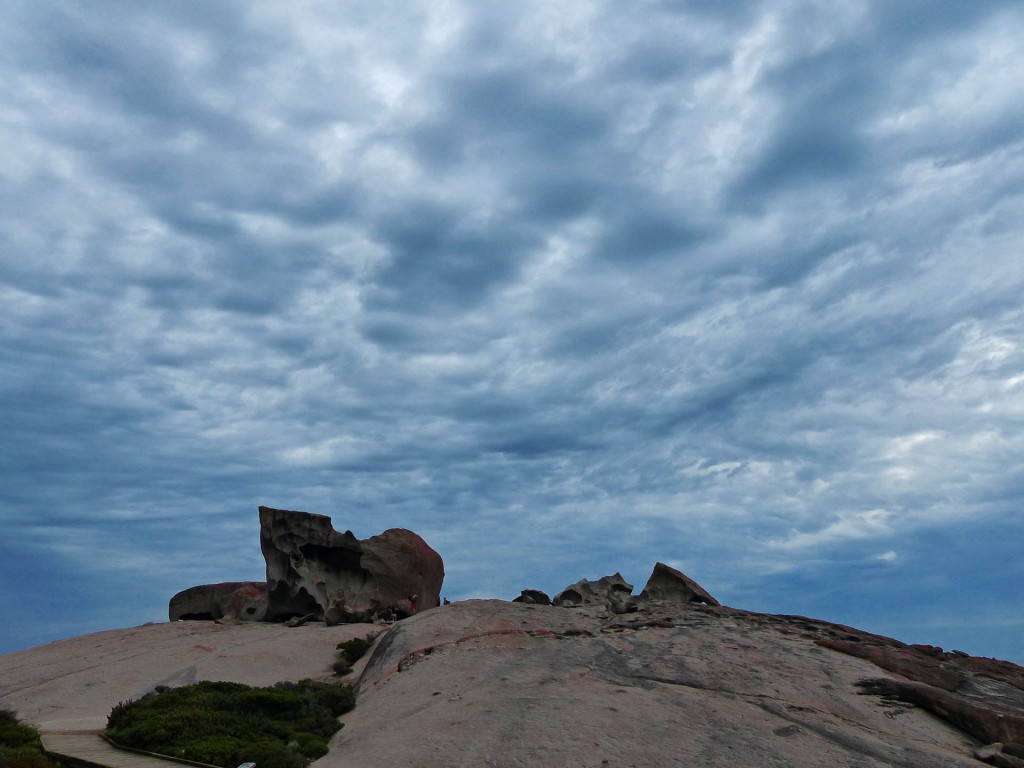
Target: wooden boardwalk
[[90, 749]]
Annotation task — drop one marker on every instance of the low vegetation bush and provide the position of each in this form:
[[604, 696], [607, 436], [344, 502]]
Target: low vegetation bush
[[354, 649], [19, 745], [349, 652], [226, 724]]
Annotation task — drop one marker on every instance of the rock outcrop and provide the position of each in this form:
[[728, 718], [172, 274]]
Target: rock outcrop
[[1001, 725], [615, 594], [983, 697], [513, 684], [311, 568], [604, 593], [666, 583], [242, 600], [532, 597]]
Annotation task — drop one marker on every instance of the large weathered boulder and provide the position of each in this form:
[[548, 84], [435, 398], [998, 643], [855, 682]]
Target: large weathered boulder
[[613, 593], [311, 568], [243, 600], [666, 583]]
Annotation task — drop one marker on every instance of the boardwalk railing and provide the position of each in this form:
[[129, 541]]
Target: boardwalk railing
[[94, 750]]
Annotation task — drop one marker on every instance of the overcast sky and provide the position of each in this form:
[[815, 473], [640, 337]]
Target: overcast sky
[[566, 288]]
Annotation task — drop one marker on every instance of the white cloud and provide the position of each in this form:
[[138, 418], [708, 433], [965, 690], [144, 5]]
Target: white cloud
[[849, 526]]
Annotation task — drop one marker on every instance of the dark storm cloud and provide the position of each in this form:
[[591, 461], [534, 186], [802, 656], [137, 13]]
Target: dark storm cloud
[[921, 23], [830, 99], [436, 259], [566, 289], [825, 98], [510, 111]]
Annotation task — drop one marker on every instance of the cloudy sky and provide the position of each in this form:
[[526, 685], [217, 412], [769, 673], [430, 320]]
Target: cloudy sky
[[567, 288]]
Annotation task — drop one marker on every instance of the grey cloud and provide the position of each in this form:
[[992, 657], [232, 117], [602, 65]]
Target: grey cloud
[[507, 110], [919, 22], [555, 196], [537, 443], [824, 100], [127, 63], [642, 233], [439, 260]]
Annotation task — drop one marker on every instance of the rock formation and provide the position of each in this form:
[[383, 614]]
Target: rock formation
[[605, 592], [311, 568], [242, 600], [532, 597], [315, 572], [615, 594], [666, 583]]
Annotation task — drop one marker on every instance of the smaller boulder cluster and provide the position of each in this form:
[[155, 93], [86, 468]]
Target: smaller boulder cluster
[[615, 594]]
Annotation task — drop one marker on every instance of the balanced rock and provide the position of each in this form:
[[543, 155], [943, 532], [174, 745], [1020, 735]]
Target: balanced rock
[[243, 600], [666, 583], [312, 568]]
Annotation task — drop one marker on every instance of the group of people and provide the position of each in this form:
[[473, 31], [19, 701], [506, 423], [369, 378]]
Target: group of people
[[391, 613]]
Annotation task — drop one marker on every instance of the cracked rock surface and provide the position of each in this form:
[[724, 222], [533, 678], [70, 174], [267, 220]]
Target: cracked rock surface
[[490, 683]]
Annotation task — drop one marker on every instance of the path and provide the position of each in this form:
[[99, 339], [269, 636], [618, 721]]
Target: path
[[91, 748]]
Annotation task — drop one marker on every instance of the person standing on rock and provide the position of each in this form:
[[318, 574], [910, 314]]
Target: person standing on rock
[[412, 602]]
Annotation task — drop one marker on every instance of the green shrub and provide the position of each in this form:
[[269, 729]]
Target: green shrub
[[349, 652], [354, 649], [19, 744], [215, 750], [14, 735], [116, 715], [24, 758], [337, 699], [311, 745], [269, 754], [271, 701], [228, 723]]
